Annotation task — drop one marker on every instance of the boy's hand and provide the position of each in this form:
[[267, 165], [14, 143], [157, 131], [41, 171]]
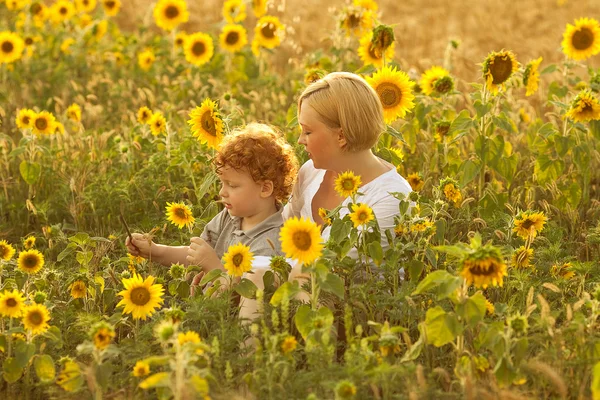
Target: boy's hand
[[140, 246], [200, 253]]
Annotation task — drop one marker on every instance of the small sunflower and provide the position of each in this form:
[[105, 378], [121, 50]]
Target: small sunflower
[[141, 368], [59, 128], [563, 270], [44, 123], [582, 40], [78, 289], [6, 251], [12, 304], [288, 345], [259, 7], [179, 214], [498, 68], [169, 14], [313, 75], [269, 32], [416, 181], [65, 46], [422, 225], [518, 323], [188, 337], [102, 336], [74, 112], [400, 229], [35, 318], [584, 107], [158, 124], [86, 6], [394, 90], [145, 59], [238, 259], [29, 242], [140, 297], [489, 307], [484, 267], [368, 55], [449, 187], [531, 76], [429, 78], [61, 11], [529, 224], [323, 213], [206, 123], [356, 21], [361, 214], [347, 184], [30, 261], [144, 114], [199, 48], [234, 11], [25, 118], [111, 7], [441, 129], [180, 39], [366, 4], [522, 256], [11, 47], [300, 240], [233, 38]]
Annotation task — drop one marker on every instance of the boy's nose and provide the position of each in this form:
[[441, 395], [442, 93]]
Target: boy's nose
[[222, 192]]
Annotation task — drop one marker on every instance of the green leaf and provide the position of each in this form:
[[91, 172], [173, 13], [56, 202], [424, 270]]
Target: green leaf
[[288, 290], [504, 372], [415, 350], [340, 230], [376, 252], [84, 257], [414, 268], [556, 89], [507, 166], [161, 379], [504, 123], [44, 368], [70, 378], [469, 171], [307, 319], [441, 281], [473, 309], [596, 382], [246, 288], [11, 372], [211, 276], [23, 353], [549, 69], [461, 124], [441, 327], [30, 172], [482, 108], [183, 290], [66, 252], [333, 284], [547, 130], [80, 238]]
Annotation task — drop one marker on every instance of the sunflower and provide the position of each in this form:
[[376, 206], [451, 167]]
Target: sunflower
[[44, 123], [498, 68], [179, 214], [429, 78], [86, 6], [65, 46], [238, 259], [111, 7], [6, 251], [25, 118], [169, 14], [29, 242], [522, 256], [199, 48], [141, 368], [74, 112], [366, 4], [61, 11], [518, 323], [449, 187], [529, 224], [188, 337], [99, 30], [78, 289], [206, 123], [562, 270], [103, 336], [35, 318], [421, 225], [441, 129], [489, 307], [11, 47], [300, 240], [145, 59], [259, 7], [394, 90], [288, 345], [361, 214], [313, 75], [144, 114], [158, 124], [484, 267], [233, 38], [531, 76], [323, 214], [584, 107], [234, 11], [12, 304], [582, 40], [180, 39], [368, 55], [30, 261], [268, 32], [347, 184], [356, 21], [59, 128], [416, 181], [40, 13], [400, 229], [140, 297]]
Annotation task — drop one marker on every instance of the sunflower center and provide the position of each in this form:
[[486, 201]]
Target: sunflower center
[[63, 10], [527, 224], [86, 2], [36, 318], [109, 4], [208, 123], [363, 216], [30, 261], [7, 46], [232, 38], [501, 69], [587, 107], [25, 119], [353, 20], [443, 130], [198, 48], [180, 212], [28, 41], [583, 39], [348, 184], [390, 94], [41, 124], [140, 296], [481, 269], [268, 30], [171, 12], [443, 85], [302, 240], [3, 251], [36, 8], [100, 337], [237, 260], [10, 302]]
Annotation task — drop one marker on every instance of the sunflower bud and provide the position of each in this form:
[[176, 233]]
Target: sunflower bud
[[345, 390], [126, 274], [383, 37], [518, 323], [39, 297], [176, 271], [444, 84], [165, 331]]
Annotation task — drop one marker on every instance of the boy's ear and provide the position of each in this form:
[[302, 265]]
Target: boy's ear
[[266, 189]]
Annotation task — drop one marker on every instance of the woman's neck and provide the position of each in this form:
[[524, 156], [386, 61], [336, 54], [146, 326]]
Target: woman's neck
[[363, 163]]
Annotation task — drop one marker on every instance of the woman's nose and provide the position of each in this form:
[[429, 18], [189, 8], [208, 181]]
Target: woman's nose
[[302, 139]]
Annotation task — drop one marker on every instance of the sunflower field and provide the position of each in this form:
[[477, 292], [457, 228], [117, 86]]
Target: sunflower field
[[490, 287]]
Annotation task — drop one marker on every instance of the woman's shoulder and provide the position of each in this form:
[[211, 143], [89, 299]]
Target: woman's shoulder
[[307, 172], [390, 182]]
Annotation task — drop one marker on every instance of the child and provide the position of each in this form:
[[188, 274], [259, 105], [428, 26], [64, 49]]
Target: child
[[257, 169]]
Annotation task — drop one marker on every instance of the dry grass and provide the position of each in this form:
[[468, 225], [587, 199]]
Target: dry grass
[[530, 28]]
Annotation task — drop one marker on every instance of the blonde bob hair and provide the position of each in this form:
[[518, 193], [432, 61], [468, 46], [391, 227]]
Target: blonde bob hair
[[345, 100]]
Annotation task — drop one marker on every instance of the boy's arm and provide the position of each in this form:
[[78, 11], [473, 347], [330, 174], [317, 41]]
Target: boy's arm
[[160, 253], [202, 254]]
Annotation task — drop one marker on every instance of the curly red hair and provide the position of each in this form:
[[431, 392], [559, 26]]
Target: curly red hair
[[263, 153]]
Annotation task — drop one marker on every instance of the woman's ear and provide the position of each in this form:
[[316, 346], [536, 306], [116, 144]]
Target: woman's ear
[[266, 189], [341, 139]]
